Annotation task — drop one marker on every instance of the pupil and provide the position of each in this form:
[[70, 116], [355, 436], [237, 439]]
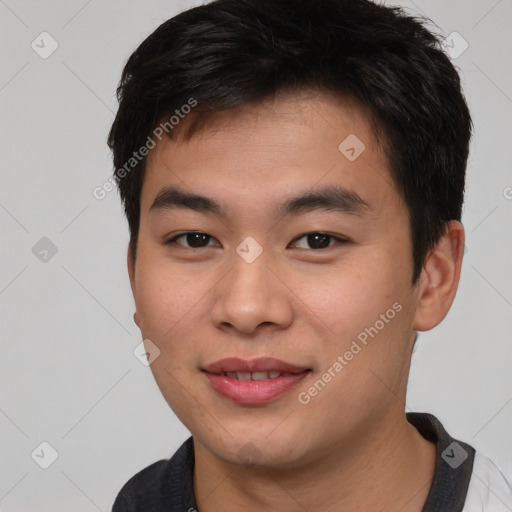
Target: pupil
[[197, 239], [318, 241]]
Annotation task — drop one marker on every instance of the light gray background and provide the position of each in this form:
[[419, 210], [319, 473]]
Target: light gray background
[[67, 372]]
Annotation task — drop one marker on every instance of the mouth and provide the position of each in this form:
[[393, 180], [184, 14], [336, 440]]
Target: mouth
[[255, 381], [255, 375]]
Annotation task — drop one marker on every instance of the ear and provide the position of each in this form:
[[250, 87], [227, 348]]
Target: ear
[[440, 278], [131, 274]]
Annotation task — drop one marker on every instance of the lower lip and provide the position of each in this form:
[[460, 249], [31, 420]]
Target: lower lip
[[253, 391]]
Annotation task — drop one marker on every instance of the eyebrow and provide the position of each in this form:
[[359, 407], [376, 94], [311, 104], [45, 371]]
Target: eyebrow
[[328, 198]]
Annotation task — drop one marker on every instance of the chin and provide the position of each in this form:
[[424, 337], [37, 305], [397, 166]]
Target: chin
[[256, 448]]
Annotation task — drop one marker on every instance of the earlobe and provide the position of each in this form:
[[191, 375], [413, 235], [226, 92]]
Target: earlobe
[[440, 278]]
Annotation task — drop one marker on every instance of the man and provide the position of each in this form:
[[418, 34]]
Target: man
[[293, 173]]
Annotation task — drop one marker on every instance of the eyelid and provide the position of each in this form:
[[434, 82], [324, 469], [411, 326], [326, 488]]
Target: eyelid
[[337, 238], [172, 240]]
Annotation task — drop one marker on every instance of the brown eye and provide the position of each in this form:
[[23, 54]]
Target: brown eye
[[316, 241], [192, 239]]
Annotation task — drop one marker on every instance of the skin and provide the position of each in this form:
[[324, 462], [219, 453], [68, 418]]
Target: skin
[[351, 446]]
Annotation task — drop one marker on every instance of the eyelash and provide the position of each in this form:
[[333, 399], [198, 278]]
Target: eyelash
[[339, 240]]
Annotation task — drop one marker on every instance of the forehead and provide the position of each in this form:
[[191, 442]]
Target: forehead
[[269, 147]]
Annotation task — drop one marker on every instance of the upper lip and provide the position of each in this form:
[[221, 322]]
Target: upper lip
[[262, 364]]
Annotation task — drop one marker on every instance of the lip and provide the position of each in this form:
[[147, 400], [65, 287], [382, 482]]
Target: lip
[[253, 392]]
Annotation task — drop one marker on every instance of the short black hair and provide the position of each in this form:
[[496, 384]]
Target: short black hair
[[229, 52]]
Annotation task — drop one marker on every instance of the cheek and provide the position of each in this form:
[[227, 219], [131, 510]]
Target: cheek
[[165, 299], [168, 306], [351, 297]]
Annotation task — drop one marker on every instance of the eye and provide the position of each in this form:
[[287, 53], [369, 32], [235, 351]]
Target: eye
[[317, 241], [193, 240]]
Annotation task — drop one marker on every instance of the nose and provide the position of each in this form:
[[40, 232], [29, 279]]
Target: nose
[[251, 297]]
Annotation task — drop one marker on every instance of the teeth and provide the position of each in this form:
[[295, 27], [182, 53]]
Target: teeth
[[253, 375], [259, 376]]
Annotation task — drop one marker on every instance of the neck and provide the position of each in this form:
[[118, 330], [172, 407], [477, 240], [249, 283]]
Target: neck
[[389, 468]]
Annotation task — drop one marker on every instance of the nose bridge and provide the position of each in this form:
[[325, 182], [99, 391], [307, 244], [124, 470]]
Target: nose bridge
[[249, 280], [250, 294], [250, 270]]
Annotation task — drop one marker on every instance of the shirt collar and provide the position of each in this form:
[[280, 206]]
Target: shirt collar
[[454, 466]]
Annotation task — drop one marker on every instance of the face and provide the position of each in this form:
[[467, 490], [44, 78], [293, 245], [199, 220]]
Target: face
[[297, 250]]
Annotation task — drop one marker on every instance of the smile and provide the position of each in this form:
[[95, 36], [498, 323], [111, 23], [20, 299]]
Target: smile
[[252, 382]]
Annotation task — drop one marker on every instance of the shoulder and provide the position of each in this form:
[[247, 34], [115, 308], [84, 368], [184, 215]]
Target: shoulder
[[464, 480], [141, 487], [489, 489], [164, 485]]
